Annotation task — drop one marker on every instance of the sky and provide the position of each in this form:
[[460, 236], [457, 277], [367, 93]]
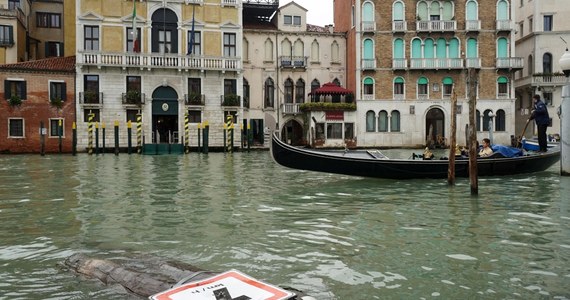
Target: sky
[[319, 12]]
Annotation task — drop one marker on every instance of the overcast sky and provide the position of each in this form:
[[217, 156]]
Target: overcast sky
[[319, 12]]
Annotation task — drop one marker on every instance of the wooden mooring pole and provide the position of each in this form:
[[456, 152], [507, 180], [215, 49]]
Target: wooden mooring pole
[[453, 139], [473, 172]]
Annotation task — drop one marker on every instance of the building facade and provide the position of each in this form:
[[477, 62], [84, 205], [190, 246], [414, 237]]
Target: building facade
[[284, 60], [543, 34], [182, 60], [37, 94], [14, 28], [410, 57]]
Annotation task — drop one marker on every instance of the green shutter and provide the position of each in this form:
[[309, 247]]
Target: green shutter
[[502, 79], [398, 48], [428, 48], [471, 48], [441, 48], [502, 48], [398, 12], [422, 80], [454, 48], [399, 80], [368, 80], [447, 80], [471, 13]]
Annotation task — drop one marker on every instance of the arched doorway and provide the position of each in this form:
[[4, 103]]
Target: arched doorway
[[292, 133], [164, 115], [164, 31], [435, 128]]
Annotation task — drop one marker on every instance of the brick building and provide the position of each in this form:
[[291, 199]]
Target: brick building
[[33, 93]]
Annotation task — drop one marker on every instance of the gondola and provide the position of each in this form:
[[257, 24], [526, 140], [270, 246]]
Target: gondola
[[369, 163]]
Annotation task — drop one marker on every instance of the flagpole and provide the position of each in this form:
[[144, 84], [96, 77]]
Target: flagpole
[[191, 50]]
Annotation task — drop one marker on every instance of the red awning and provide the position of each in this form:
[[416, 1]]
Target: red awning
[[331, 89]]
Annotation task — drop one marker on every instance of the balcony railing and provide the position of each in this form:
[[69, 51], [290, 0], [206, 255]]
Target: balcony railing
[[133, 98], [88, 98], [503, 96], [369, 64], [399, 63], [368, 26], [399, 26], [195, 99], [293, 61], [472, 25], [510, 63], [194, 1], [548, 79], [291, 108], [158, 61], [436, 26], [230, 100], [436, 63], [367, 96], [473, 62], [229, 2], [504, 25]]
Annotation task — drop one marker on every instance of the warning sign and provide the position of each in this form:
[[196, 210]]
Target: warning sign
[[231, 285]]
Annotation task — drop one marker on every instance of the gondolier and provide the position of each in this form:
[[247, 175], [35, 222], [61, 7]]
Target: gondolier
[[542, 120]]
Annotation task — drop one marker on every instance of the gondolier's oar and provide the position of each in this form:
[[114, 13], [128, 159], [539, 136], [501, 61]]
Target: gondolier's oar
[[519, 142]]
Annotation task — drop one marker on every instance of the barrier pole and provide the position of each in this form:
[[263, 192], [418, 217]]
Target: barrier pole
[[139, 133], [90, 118], [74, 139], [186, 134], [116, 137]]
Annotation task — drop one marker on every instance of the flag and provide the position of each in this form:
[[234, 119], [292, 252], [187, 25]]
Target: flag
[[136, 47], [191, 50]]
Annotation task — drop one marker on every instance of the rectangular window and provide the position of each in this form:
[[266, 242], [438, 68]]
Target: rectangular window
[[447, 88], [547, 98], [530, 25], [334, 130], [57, 90], [55, 127], [6, 38], [194, 86], [132, 115], [92, 114], [398, 88], [503, 89], [521, 29], [229, 44], [197, 46], [15, 88], [16, 128], [422, 91], [348, 131], [91, 38], [320, 131], [547, 23], [297, 20], [91, 89], [131, 39], [287, 20], [194, 116], [12, 4], [48, 20], [134, 83], [164, 41], [230, 86], [54, 49]]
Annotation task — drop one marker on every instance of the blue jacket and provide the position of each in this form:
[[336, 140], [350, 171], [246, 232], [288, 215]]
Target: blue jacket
[[540, 114]]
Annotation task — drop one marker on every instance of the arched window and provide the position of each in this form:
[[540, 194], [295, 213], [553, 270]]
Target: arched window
[[399, 48], [268, 50], [399, 88], [472, 48], [416, 48], [486, 119], [368, 49], [434, 11], [245, 93], [502, 47], [335, 52], [398, 11], [395, 121], [269, 93], [383, 121], [315, 51], [478, 119], [288, 94], [422, 9], [367, 12], [547, 63], [300, 91], [530, 65], [370, 121], [245, 50], [502, 10], [447, 87], [472, 11], [336, 81], [453, 48], [500, 120], [422, 88], [299, 50], [441, 51], [429, 48], [286, 48], [315, 84], [448, 10], [502, 87], [368, 88]]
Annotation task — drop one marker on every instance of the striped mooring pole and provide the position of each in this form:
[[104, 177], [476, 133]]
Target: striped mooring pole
[[90, 118], [186, 134], [74, 139], [229, 135], [139, 133]]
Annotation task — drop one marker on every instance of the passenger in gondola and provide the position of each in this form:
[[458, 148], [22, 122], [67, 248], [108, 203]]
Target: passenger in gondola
[[427, 154], [486, 150]]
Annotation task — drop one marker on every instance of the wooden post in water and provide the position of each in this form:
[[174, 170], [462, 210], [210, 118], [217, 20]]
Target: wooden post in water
[[116, 127], [42, 139], [452, 141], [74, 139], [103, 138], [473, 172]]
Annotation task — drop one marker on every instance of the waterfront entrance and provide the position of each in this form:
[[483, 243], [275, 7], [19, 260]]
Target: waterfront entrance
[[435, 129], [292, 132], [165, 116]]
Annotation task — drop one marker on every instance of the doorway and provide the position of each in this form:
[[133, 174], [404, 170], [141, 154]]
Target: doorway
[[165, 127], [435, 129]]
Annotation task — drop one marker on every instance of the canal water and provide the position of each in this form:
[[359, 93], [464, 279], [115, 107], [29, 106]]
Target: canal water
[[332, 236]]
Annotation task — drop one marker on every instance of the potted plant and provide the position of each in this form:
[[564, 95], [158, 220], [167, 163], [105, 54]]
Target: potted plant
[[194, 98], [56, 102], [133, 97], [15, 100], [90, 96], [231, 100]]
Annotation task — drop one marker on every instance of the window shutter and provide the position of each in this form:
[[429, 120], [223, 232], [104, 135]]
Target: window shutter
[[24, 92], [7, 93], [11, 35], [63, 91], [46, 49]]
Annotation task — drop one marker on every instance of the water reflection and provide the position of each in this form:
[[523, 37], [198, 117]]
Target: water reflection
[[336, 237]]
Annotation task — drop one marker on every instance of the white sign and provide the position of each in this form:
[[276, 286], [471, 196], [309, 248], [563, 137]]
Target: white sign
[[230, 285]]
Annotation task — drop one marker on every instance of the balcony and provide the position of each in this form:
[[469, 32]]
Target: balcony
[[548, 79], [90, 99], [195, 99], [133, 98], [429, 26], [473, 25], [509, 63], [368, 26], [368, 64], [504, 25], [6, 42], [229, 3], [399, 26], [158, 61], [367, 96], [293, 61], [399, 64], [291, 108], [230, 100], [436, 63], [473, 62]]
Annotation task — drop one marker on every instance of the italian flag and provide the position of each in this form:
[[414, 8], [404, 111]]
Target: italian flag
[[136, 46]]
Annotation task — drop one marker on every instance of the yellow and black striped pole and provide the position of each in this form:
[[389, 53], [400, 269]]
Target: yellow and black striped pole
[[186, 134], [129, 136], [116, 137], [139, 133], [229, 135], [90, 118], [74, 139]]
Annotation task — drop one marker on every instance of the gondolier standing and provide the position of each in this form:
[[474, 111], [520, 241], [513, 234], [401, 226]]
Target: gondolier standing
[[542, 119]]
